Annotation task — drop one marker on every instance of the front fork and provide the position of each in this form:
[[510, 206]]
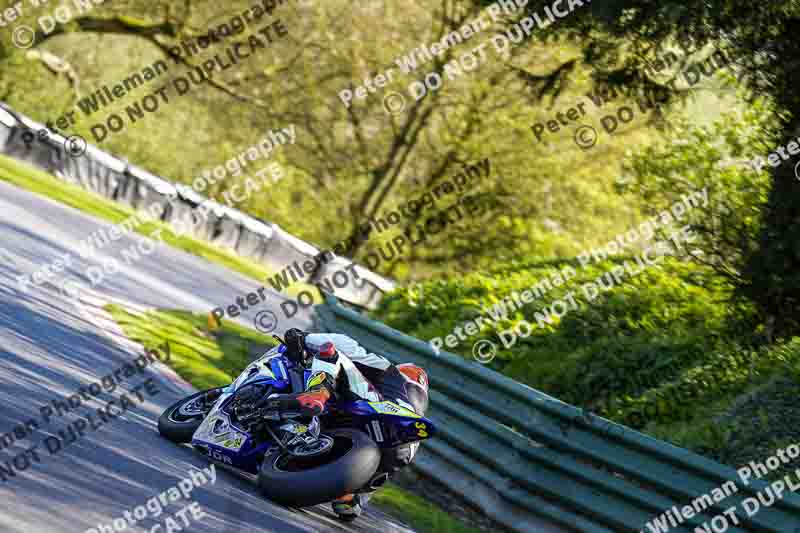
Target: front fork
[[210, 398]]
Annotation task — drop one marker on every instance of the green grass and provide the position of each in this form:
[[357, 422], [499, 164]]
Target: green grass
[[210, 357], [417, 512], [204, 356], [40, 182]]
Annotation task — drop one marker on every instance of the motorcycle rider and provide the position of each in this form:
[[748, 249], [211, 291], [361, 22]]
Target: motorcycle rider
[[341, 368]]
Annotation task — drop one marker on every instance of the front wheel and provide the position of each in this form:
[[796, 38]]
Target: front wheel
[[304, 481], [181, 419]]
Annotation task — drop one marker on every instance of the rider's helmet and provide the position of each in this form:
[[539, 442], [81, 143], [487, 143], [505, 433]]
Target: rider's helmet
[[295, 340]]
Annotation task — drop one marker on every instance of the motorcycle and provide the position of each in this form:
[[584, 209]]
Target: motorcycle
[[299, 462]]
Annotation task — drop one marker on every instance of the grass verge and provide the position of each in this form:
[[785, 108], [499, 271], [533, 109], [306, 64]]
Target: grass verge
[[204, 356], [417, 512], [208, 356], [40, 182]]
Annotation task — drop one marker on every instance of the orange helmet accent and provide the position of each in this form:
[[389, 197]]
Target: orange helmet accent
[[414, 374]]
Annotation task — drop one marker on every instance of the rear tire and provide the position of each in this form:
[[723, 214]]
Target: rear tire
[[306, 487], [179, 428]]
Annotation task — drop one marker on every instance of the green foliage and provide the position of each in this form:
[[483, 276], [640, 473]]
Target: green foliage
[[750, 420], [663, 352], [671, 351], [658, 343], [641, 334], [716, 157], [725, 374], [342, 155]]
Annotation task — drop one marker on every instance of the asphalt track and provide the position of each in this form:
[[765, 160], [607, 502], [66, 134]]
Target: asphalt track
[[51, 344]]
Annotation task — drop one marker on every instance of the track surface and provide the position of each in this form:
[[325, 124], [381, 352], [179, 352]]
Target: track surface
[[52, 344]]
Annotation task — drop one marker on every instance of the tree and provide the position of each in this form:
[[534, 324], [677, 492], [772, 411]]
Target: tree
[[620, 38], [349, 162]]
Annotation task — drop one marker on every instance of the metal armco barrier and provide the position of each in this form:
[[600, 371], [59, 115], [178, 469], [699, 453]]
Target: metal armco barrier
[[118, 180], [534, 463]]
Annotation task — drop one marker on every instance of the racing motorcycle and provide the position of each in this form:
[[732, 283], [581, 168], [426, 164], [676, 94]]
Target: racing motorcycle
[[299, 461]]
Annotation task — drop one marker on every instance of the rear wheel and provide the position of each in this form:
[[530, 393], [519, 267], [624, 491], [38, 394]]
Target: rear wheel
[[181, 419], [346, 467]]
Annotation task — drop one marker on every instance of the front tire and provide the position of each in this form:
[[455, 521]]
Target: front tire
[[177, 424], [348, 467]]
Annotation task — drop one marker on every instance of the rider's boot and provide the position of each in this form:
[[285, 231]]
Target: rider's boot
[[350, 506]]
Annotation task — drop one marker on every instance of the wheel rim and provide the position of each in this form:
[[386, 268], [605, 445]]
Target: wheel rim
[[190, 411], [339, 448], [321, 445]]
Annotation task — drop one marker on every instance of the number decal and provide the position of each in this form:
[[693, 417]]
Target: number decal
[[421, 427], [389, 408]]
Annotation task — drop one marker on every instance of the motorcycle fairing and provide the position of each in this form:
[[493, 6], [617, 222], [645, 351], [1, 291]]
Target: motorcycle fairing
[[387, 423], [391, 408], [223, 440]]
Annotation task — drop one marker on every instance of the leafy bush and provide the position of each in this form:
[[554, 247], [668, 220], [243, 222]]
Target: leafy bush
[[725, 374], [748, 415], [714, 158], [641, 334]]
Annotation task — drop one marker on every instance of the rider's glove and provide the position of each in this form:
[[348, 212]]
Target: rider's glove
[[310, 403]]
